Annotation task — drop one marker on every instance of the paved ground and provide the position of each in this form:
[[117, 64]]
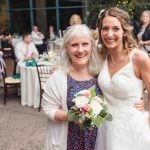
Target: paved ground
[[21, 127]]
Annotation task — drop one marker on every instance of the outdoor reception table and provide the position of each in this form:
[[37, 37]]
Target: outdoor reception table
[[30, 89], [29, 85]]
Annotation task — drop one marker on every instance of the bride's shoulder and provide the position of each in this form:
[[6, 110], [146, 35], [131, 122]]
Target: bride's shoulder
[[140, 57]]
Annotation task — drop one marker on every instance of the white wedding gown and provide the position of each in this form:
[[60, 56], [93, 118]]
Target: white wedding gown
[[129, 128]]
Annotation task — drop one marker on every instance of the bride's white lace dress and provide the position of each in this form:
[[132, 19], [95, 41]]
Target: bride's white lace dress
[[129, 129]]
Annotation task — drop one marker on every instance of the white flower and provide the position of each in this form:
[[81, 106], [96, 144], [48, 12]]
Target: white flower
[[80, 101], [98, 99], [96, 107]]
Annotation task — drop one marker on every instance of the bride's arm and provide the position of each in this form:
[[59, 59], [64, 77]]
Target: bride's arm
[[142, 62]]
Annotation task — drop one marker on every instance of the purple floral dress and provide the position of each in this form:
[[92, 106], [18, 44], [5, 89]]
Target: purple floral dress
[[80, 139]]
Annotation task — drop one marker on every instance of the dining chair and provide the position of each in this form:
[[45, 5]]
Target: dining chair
[[9, 81], [44, 71], [8, 52]]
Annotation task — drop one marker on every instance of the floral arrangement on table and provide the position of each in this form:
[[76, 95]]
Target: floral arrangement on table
[[50, 56], [89, 110], [47, 56]]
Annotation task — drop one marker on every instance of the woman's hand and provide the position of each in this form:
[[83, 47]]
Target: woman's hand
[[34, 55], [139, 105], [61, 115], [140, 43]]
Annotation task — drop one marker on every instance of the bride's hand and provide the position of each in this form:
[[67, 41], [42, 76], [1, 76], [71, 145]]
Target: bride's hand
[[139, 105]]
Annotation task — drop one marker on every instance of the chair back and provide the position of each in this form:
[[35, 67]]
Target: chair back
[[8, 52], [2, 64], [2, 68], [44, 71], [8, 81], [7, 67]]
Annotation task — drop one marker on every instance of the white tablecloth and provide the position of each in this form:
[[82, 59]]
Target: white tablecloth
[[30, 90]]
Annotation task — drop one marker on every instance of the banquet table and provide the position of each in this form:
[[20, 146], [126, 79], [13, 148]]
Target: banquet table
[[30, 88]]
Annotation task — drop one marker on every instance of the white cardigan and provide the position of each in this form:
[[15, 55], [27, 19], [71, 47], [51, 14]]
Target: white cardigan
[[55, 98]]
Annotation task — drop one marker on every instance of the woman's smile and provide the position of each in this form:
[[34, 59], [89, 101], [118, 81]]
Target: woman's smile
[[79, 50], [112, 32]]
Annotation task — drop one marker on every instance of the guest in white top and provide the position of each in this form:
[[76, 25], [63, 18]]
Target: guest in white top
[[25, 49], [38, 38]]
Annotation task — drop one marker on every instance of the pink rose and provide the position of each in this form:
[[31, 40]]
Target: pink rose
[[87, 94], [85, 108]]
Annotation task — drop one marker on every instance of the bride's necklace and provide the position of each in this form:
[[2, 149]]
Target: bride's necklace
[[113, 65], [116, 65]]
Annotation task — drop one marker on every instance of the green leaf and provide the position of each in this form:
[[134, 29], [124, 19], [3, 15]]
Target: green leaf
[[86, 125], [72, 116], [91, 111], [97, 121], [92, 91], [105, 107], [79, 94], [103, 113], [109, 117]]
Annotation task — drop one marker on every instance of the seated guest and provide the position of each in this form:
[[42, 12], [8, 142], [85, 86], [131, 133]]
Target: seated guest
[[25, 49], [51, 34], [6, 39], [38, 38]]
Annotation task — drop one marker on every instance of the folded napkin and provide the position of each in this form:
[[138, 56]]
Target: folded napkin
[[30, 63], [16, 76]]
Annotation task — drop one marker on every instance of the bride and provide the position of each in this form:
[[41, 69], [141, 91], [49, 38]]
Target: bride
[[125, 71]]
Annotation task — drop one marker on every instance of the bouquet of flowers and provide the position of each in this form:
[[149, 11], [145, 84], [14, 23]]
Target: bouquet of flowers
[[89, 110]]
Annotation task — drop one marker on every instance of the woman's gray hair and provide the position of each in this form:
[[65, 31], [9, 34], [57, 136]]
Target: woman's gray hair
[[147, 12], [94, 64]]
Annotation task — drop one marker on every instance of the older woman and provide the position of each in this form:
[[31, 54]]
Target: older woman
[[78, 71], [125, 69], [144, 34]]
